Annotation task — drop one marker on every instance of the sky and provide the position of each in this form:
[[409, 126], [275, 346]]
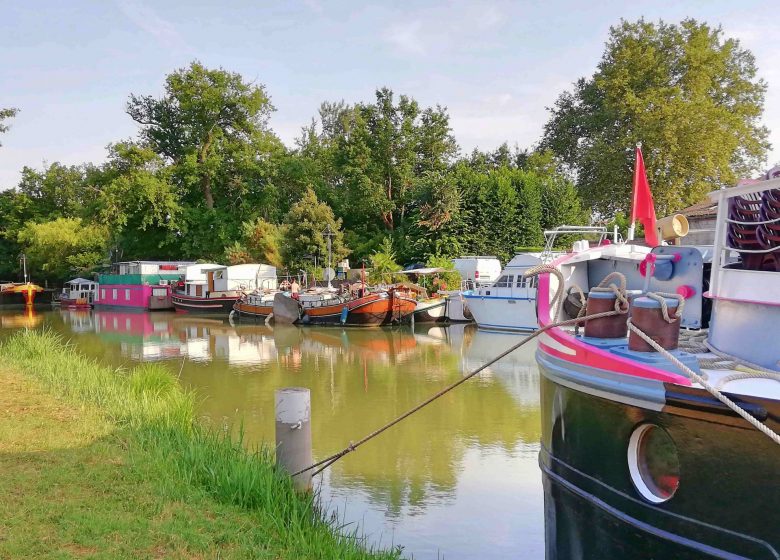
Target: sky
[[496, 65]]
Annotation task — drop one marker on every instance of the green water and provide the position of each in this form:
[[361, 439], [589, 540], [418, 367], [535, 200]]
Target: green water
[[457, 480]]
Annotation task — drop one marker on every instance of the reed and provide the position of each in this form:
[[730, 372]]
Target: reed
[[148, 407]]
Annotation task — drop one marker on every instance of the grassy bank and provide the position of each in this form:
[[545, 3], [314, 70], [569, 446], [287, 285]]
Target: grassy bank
[[106, 463]]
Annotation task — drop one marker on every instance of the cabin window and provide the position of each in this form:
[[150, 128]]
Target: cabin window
[[218, 274], [127, 294], [505, 281], [103, 293], [114, 294], [159, 292]]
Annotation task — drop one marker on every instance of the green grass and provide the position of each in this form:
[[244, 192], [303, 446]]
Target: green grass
[[116, 466]]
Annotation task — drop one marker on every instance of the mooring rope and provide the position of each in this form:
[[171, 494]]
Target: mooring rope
[[766, 430], [535, 271]]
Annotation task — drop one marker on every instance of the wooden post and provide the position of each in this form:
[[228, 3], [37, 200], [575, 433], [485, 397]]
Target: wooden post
[[293, 433]]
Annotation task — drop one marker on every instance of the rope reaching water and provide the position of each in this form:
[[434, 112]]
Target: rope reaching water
[[555, 303], [328, 461]]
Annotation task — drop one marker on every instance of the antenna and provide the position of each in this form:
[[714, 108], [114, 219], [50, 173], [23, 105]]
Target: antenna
[[328, 233]]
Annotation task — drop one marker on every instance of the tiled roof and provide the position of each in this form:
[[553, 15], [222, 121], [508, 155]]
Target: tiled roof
[[701, 210]]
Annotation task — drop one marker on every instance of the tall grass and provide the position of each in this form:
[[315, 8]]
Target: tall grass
[[148, 403]]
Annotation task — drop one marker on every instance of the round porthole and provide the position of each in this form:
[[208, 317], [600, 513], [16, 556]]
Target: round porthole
[[653, 463]]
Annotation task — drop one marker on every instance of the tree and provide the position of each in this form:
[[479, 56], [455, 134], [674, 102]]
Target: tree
[[63, 246], [686, 92], [202, 114], [383, 265], [260, 242], [6, 114], [302, 233]]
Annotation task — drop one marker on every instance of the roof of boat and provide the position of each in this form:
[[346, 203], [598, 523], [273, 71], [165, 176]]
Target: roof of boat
[[78, 281], [524, 260]]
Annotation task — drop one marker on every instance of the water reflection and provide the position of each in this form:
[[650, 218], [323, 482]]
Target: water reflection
[[458, 477]]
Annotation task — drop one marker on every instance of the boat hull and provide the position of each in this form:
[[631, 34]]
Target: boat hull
[[728, 483], [502, 313], [200, 305], [431, 311], [18, 299], [138, 297], [374, 309], [75, 303], [259, 312]]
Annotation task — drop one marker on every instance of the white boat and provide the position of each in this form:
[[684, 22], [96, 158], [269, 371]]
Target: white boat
[[510, 302]]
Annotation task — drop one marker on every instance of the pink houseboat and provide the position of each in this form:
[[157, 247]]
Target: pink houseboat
[[139, 285]]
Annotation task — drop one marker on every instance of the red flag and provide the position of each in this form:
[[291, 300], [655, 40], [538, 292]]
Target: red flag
[[642, 208]]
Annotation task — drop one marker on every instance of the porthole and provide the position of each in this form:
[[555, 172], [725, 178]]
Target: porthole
[[653, 463]]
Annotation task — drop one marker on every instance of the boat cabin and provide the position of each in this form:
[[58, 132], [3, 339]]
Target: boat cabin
[[80, 290]]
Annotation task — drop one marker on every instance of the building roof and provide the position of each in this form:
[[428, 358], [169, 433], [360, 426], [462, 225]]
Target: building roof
[[704, 209]]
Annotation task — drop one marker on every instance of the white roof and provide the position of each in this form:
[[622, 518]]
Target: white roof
[[423, 271], [79, 281], [524, 260]]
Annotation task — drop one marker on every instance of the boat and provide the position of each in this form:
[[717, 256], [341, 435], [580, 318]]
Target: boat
[[139, 285], [640, 456], [213, 288], [510, 302], [257, 305], [27, 294], [475, 271], [370, 308], [78, 293]]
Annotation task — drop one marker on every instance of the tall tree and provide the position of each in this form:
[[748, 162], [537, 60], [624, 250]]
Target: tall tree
[[303, 233], [63, 246], [202, 112], [686, 92], [6, 114]]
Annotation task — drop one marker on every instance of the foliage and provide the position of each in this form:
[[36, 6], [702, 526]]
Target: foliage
[[686, 92], [383, 264], [260, 243], [303, 236], [204, 116], [6, 114], [449, 280], [64, 246]]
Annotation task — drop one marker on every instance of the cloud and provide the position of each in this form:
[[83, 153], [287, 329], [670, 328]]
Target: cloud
[[145, 18], [406, 37]]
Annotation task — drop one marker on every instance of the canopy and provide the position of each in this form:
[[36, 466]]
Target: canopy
[[423, 271], [80, 281]]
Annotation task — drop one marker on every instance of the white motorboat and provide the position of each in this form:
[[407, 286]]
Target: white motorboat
[[509, 303]]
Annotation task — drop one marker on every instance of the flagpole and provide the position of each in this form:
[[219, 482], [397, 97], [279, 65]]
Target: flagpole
[[632, 223]]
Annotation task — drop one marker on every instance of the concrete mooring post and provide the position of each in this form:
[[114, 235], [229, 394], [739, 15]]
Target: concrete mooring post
[[293, 433]]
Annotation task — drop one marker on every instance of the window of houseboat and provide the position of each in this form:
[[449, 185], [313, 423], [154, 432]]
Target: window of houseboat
[[114, 294], [127, 294], [103, 293], [505, 281]]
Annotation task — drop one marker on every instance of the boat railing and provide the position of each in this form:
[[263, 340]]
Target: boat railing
[[552, 235], [748, 223]]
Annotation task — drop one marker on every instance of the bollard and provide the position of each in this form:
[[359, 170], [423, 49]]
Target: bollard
[[293, 433]]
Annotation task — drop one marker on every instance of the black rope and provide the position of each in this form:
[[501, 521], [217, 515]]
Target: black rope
[[328, 461]]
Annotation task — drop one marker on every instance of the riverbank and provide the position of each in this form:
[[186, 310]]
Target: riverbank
[[113, 464]]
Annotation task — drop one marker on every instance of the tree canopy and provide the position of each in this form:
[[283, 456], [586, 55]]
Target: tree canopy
[[4, 115], [686, 92], [207, 178]]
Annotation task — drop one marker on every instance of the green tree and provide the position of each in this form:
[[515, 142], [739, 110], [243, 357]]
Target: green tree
[[64, 246], [686, 92], [260, 242], [6, 114], [204, 116], [383, 265], [302, 233]]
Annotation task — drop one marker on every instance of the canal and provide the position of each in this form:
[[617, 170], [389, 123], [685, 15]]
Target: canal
[[459, 479]]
